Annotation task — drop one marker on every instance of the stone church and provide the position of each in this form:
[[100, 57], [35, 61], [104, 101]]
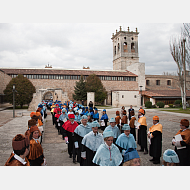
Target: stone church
[[126, 84]]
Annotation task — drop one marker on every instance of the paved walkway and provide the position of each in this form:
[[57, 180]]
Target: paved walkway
[[55, 149]]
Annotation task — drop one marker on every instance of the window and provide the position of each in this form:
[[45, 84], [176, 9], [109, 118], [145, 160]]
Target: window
[[118, 47], [115, 50], [132, 47], [122, 96], [157, 82], [125, 47], [147, 82], [169, 82]]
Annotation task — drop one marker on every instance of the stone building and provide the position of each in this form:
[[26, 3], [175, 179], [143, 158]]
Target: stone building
[[126, 84]]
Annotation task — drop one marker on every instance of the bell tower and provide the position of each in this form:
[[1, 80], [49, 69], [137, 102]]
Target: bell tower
[[125, 49]]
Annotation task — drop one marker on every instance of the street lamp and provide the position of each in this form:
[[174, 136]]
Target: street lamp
[[13, 100], [141, 93]]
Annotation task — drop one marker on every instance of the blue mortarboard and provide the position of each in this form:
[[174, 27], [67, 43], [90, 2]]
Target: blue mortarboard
[[130, 154], [95, 124], [91, 108], [108, 133], [104, 110], [95, 109], [126, 127], [112, 120], [84, 117], [170, 156], [40, 106]]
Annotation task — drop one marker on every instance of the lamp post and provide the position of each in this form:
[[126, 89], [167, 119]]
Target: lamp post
[[13, 100], [141, 94]]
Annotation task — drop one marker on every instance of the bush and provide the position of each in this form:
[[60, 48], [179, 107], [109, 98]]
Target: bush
[[160, 104], [154, 106], [148, 104], [177, 102], [171, 105]]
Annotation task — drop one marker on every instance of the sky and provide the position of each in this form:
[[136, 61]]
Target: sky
[[74, 45]]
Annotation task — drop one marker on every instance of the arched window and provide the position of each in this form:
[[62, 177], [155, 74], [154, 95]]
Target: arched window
[[125, 47], [115, 50], [133, 47], [118, 47]]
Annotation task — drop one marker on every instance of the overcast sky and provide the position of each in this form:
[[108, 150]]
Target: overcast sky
[[74, 45]]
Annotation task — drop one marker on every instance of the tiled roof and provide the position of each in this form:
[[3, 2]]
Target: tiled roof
[[66, 72], [164, 93]]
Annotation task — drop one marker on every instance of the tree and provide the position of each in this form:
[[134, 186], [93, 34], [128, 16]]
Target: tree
[[24, 91], [80, 90], [180, 55], [94, 84]]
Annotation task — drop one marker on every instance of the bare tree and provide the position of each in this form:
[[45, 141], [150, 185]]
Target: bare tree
[[181, 57]]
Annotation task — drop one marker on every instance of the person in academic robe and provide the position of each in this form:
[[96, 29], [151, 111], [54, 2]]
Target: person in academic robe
[[105, 119], [57, 124], [89, 121], [70, 127], [90, 144], [170, 158], [182, 143], [155, 138], [35, 156], [20, 144], [108, 153], [96, 115], [79, 134], [129, 111], [124, 119], [132, 124], [62, 119], [118, 119], [131, 158], [142, 132], [125, 140], [77, 117], [113, 127]]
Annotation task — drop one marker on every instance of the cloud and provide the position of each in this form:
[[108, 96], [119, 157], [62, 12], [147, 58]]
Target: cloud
[[74, 45]]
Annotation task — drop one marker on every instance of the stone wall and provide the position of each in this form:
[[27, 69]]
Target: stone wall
[[68, 86], [4, 81], [163, 82]]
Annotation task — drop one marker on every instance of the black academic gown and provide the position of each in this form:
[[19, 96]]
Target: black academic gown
[[156, 145], [142, 136], [70, 136], [183, 154], [89, 156], [79, 150]]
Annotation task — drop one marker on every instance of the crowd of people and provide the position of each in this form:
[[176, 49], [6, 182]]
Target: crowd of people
[[92, 142]]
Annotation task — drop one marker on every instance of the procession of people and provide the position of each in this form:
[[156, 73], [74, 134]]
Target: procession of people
[[97, 140]]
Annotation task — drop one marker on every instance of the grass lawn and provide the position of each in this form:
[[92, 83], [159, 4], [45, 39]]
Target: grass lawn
[[176, 110], [103, 107]]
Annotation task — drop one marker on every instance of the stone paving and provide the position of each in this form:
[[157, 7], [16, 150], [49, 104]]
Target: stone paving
[[55, 149]]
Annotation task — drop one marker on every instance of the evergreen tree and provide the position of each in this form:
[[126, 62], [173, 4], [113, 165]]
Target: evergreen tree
[[80, 92], [94, 84], [24, 91]]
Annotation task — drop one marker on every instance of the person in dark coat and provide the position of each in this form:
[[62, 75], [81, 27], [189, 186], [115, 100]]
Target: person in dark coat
[[155, 139], [129, 111], [91, 143], [181, 141]]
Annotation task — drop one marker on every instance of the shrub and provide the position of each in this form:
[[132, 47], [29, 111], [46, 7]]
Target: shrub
[[148, 104], [171, 105], [160, 104], [154, 106], [177, 102]]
